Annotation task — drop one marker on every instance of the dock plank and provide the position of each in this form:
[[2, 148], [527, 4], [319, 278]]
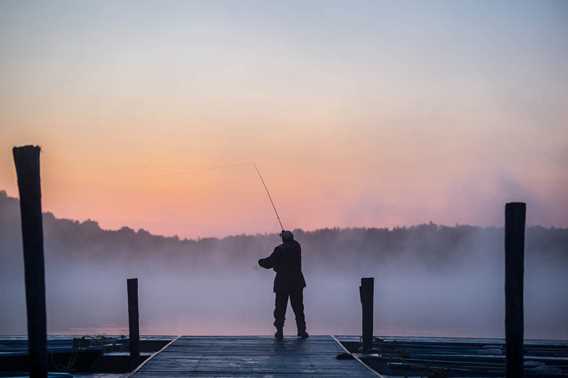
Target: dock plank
[[251, 356]]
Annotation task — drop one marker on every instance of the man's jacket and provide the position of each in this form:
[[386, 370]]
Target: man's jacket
[[286, 260]]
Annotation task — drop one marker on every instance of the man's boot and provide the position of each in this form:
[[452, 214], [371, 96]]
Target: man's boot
[[303, 334], [279, 335]]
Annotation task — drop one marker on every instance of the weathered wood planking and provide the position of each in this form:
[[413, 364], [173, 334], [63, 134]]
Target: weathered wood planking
[[252, 356]]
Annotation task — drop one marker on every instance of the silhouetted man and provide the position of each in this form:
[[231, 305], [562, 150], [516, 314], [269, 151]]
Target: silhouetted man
[[286, 260]]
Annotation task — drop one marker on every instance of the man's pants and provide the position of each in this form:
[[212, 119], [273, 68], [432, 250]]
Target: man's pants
[[297, 302]]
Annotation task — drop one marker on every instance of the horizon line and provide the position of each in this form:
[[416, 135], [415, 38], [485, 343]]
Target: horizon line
[[4, 193]]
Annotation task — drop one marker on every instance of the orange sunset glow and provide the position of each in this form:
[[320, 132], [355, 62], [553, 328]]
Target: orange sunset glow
[[145, 117]]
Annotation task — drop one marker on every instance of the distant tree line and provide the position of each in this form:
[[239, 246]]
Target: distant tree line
[[429, 244]]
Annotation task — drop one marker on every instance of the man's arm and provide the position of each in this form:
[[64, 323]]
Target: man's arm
[[270, 261]]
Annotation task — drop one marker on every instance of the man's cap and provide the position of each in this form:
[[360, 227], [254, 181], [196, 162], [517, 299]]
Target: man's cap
[[287, 235]]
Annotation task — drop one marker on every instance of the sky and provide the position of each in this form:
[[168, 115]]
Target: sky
[[359, 113]]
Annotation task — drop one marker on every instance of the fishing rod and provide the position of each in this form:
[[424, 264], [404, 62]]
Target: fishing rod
[[269, 196]]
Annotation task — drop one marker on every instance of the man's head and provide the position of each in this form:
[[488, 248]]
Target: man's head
[[286, 236]]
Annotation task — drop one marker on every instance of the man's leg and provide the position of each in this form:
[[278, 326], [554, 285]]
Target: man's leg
[[297, 302], [280, 305]]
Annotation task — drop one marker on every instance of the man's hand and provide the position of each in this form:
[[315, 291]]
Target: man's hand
[[263, 263], [270, 261]]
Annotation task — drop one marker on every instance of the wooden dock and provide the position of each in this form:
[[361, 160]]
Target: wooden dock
[[251, 356]]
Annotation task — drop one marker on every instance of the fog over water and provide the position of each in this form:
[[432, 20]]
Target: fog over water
[[429, 280]]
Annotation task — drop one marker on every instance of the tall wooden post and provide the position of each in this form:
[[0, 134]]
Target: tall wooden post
[[366, 292], [26, 159], [514, 271], [133, 319]]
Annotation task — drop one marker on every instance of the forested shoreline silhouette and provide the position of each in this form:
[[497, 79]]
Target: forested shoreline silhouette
[[430, 243], [457, 268]]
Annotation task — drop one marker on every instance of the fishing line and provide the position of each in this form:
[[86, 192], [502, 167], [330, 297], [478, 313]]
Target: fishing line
[[224, 166]]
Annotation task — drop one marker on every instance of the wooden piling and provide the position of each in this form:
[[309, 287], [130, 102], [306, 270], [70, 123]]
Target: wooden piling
[[366, 292], [515, 213], [26, 159], [133, 319]]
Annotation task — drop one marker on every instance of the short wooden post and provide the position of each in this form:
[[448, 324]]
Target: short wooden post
[[515, 213], [26, 159], [133, 319], [366, 292]]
